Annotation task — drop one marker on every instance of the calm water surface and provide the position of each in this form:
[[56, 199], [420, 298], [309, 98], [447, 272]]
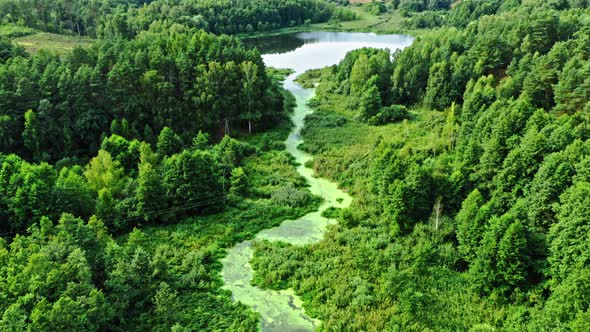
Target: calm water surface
[[282, 310]]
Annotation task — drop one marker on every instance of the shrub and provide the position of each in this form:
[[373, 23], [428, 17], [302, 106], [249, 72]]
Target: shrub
[[393, 113], [291, 196]]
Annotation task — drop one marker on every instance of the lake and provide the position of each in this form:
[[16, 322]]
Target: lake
[[308, 50]]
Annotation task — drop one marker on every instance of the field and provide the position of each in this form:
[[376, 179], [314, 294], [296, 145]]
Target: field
[[56, 43], [390, 22]]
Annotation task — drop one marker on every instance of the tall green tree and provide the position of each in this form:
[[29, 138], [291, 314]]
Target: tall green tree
[[370, 103], [149, 191], [105, 173], [32, 135], [169, 142], [251, 84]]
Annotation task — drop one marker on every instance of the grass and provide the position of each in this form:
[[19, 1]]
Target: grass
[[310, 78], [59, 44], [341, 143], [14, 31], [391, 22], [34, 40]]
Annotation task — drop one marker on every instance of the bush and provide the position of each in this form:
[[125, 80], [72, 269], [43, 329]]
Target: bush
[[376, 8], [291, 196], [390, 114], [332, 213]]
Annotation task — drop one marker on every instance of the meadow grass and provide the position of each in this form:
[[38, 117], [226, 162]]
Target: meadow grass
[[60, 44]]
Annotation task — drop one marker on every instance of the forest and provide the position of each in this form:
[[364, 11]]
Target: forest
[[120, 184], [127, 18], [129, 167], [468, 156], [134, 89]]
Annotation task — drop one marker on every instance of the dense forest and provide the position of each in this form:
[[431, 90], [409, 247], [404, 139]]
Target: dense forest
[[129, 167], [127, 18], [133, 89], [468, 156]]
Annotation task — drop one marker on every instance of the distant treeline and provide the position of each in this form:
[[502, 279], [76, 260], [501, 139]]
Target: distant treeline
[[123, 18], [464, 12]]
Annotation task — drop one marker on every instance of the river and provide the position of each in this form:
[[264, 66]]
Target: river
[[282, 310]]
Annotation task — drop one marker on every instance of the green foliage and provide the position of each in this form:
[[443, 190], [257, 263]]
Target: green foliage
[[376, 7], [74, 194], [122, 18], [568, 236], [123, 151], [238, 182], [359, 75], [468, 219], [404, 189], [149, 191], [169, 142], [370, 103], [191, 180], [291, 196], [104, 173], [133, 89], [332, 213], [13, 31], [501, 265], [361, 69], [32, 135], [471, 222], [47, 277], [201, 141], [390, 114], [74, 276], [474, 218]]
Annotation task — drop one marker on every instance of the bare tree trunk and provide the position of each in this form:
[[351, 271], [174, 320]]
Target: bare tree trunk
[[437, 211], [250, 127], [434, 148]]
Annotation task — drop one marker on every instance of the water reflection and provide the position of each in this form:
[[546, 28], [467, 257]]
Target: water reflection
[[306, 50]]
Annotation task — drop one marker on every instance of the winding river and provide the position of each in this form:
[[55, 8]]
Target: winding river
[[282, 310]]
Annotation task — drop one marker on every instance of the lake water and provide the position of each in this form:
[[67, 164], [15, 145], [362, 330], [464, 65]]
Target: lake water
[[308, 50], [282, 310]]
